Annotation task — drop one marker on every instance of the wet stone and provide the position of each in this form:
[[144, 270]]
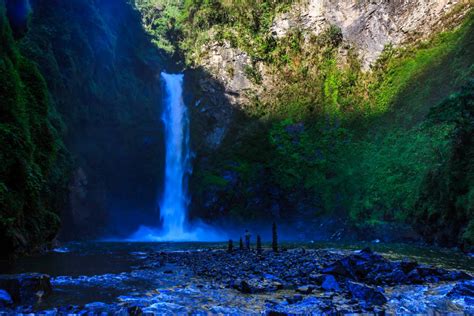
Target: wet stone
[[368, 294], [305, 289], [463, 289], [5, 299], [330, 283], [294, 299], [27, 288]]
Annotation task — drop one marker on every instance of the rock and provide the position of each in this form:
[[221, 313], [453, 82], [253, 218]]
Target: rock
[[340, 267], [414, 277], [455, 276], [432, 274], [256, 285], [26, 289], [5, 299], [427, 271], [397, 276], [330, 283], [316, 278], [244, 287], [277, 285], [359, 265], [135, 311], [95, 305], [408, 265], [294, 299], [462, 289], [371, 268], [305, 289], [275, 313], [368, 25], [368, 294]]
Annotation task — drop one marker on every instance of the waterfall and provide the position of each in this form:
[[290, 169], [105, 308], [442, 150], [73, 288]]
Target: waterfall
[[174, 201]]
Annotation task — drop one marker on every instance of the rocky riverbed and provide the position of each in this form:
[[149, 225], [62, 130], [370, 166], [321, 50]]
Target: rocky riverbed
[[296, 281], [318, 281]]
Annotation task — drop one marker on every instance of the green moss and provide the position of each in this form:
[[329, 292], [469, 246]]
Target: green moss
[[398, 69], [360, 141], [209, 179], [33, 163]]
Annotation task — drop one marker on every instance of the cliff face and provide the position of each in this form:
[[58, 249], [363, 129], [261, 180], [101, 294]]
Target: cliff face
[[367, 25], [102, 70], [365, 30], [33, 160], [87, 106], [315, 111]]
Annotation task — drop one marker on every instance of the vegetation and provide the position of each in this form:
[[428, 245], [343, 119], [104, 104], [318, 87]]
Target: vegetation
[[359, 141], [161, 20], [83, 74], [101, 68], [326, 137], [33, 160]]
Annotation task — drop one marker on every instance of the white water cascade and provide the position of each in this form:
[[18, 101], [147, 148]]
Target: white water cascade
[[173, 203]]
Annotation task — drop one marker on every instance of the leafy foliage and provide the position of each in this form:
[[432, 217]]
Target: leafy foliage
[[361, 141], [33, 160]]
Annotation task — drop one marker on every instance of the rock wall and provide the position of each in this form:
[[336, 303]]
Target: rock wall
[[101, 69], [244, 172], [368, 25]]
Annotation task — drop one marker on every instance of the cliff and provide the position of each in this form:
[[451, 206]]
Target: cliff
[[94, 149], [320, 114]]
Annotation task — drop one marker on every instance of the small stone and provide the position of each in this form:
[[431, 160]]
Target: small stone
[[330, 283], [305, 289], [134, 311], [294, 299], [5, 298], [316, 277]]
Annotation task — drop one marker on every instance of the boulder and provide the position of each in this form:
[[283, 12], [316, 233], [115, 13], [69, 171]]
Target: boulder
[[27, 288], [408, 265], [368, 267], [340, 268], [330, 283], [368, 294], [5, 299], [463, 289], [359, 266], [256, 285]]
